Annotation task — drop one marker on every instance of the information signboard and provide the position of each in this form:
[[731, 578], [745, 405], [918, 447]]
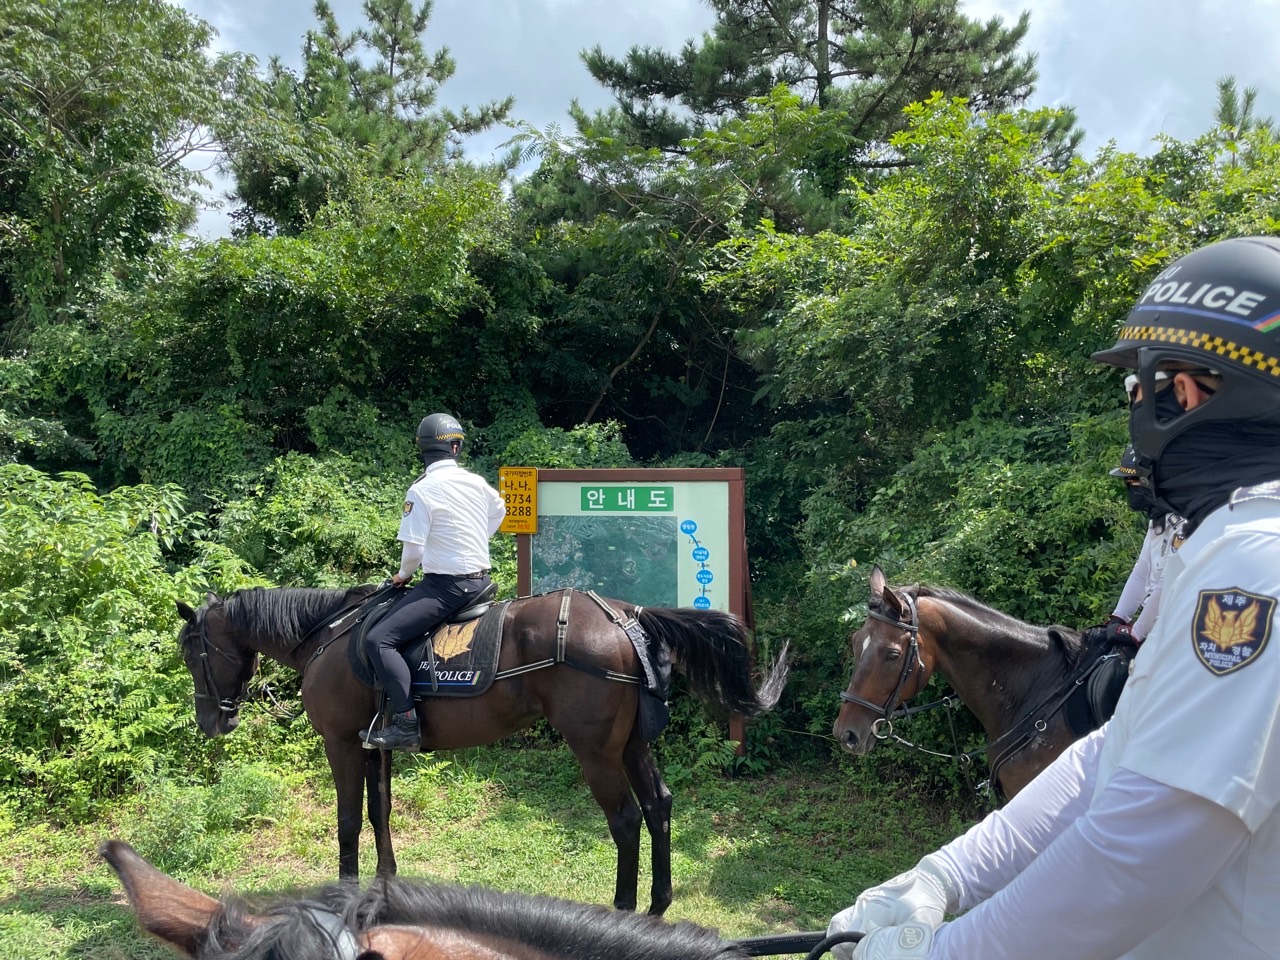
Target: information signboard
[[660, 537]]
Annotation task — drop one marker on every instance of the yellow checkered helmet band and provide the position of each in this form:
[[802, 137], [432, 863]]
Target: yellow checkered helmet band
[[1209, 343]]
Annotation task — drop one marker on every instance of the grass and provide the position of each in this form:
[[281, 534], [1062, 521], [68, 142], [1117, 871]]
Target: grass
[[749, 856]]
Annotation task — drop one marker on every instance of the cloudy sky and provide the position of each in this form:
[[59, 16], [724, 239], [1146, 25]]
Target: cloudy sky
[[1131, 68]]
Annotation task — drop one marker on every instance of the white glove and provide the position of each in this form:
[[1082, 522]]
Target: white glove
[[910, 941], [922, 895]]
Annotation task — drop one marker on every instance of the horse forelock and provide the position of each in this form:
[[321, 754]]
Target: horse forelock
[[285, 613], [542, 926]]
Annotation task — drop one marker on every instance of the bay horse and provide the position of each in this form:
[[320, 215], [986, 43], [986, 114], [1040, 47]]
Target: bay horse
[[1016, 678], [562, 658], [400, 920]]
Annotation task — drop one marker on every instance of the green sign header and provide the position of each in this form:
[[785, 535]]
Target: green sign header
[[629, 499]]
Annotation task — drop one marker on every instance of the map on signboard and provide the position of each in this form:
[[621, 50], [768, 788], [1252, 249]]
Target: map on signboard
[[631, 557]]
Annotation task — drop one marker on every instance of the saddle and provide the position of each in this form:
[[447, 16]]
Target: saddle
[[459, 658], [1094, 701]]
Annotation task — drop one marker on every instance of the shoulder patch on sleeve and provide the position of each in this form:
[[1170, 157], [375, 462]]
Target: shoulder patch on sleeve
[[408, 507], [1232, 626]]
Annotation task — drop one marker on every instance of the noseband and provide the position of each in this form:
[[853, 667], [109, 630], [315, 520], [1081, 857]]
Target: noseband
[[225, 704], [894, 703]]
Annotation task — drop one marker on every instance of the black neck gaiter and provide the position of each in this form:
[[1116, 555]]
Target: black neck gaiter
[[1200, 468], [434, 456]]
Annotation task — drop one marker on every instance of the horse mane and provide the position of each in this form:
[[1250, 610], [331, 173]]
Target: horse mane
[[283, 612], [544, 925], [1066, 640]]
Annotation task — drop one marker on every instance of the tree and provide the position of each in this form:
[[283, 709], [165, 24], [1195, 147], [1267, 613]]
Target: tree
[[370, 97], [1235, 114], [865, 60], [1235, 110], [100, 102]]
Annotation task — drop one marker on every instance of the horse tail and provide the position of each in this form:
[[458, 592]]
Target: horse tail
[[712, 650]]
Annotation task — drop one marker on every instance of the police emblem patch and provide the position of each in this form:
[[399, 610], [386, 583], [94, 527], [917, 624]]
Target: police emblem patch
[[1231, 628], [408, 506]]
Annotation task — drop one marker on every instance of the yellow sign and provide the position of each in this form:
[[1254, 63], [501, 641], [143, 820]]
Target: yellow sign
[[519, 488]]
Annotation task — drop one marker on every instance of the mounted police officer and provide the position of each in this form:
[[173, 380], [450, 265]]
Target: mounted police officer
[[449, 515], [1146, 581], [1157, 836]]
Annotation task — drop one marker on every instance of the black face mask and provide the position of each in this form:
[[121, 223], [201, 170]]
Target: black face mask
[[1140, 498], [1200, 468]]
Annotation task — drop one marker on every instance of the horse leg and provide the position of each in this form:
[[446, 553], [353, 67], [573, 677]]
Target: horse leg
[[346, 763], [655, 801], [607, 780], [377, 777]]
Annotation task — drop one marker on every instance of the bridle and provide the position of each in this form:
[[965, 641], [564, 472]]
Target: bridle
[[893, 705], [1033, 722], [225, 704]]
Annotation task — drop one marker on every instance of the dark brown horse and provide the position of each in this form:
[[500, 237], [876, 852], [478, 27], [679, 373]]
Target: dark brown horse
[[1016, 678], [579, 683], [399, 920]]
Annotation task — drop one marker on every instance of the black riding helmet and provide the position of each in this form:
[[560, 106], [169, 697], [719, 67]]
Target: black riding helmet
[[439, 434], [1218, 310]]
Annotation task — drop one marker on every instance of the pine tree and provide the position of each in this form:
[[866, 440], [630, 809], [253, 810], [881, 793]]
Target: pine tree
[[368, 100], [866, 59]]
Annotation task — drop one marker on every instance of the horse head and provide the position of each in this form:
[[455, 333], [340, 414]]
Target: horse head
[[400, 920], [891, 665], [220, 668]]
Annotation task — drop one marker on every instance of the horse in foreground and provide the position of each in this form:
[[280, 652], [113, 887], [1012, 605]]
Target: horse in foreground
[[399, 920], [561, 657], [1034, 690]]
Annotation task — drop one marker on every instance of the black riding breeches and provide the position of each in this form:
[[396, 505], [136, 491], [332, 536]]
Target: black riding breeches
[[428, 604]]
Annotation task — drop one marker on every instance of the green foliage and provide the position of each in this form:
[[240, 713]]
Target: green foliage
[[244, 350], [316, 522], [186, 828], [24, 434], [592, 445], [100, 101], [94, 697], [882, 310]]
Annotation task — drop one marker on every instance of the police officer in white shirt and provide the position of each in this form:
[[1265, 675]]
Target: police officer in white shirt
[[449, 515], [1156, 837], [1146, 581]]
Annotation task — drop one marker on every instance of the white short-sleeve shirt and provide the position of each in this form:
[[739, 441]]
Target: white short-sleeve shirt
[[452, 513], [1201, 712]]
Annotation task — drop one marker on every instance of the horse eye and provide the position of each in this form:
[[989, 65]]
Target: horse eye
[[892, 653]]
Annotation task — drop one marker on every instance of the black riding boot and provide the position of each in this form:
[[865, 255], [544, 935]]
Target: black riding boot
[[402, 733]]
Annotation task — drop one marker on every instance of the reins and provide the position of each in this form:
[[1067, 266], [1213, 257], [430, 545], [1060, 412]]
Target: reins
[[813, 944]]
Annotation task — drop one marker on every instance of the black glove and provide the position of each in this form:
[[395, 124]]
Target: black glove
[[1118, 633]]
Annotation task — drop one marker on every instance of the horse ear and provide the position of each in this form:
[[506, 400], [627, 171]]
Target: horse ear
[[211, 598], [186, 612], [165, 908], [877, 583]]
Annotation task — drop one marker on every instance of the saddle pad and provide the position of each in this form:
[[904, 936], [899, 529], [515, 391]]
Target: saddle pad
[[466, 657]]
